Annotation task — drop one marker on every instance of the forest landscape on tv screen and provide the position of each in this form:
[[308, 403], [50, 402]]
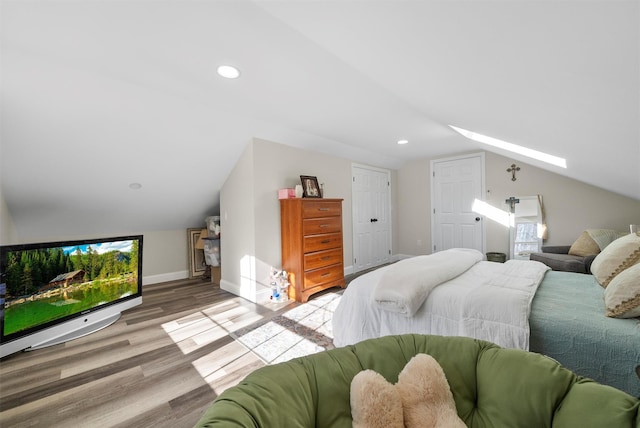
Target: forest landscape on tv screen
[[43, 284]]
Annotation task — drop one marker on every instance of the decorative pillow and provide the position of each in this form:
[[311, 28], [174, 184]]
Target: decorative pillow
[[622, 296], [616, 257], [427, 400], [375, 402], [584, 246]]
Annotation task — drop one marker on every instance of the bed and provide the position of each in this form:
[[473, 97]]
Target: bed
[[564, 318]]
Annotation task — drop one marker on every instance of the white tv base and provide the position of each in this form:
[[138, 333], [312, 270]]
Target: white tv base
[[69, 330]]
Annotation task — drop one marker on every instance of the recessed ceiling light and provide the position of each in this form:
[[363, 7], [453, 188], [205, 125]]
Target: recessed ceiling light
[[135, 186], [403, 141], [228, 71], [525, 151]]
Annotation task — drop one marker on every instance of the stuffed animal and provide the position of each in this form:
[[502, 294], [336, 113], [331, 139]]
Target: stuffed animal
[[375, 403], [421, 398]]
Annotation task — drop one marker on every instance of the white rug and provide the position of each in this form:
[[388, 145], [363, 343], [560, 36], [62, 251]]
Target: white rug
[[303, 330]]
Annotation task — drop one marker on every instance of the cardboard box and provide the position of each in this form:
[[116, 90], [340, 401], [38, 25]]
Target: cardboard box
[[286, 193]]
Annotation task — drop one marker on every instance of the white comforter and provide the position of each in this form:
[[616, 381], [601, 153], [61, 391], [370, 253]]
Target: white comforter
[[489, 301], [419, 276]]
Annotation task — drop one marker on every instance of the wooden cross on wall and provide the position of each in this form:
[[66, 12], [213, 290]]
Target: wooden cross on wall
[[512, 201], [513, 170]]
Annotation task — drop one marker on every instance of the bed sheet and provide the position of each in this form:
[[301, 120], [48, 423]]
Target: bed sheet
[[568, 323]]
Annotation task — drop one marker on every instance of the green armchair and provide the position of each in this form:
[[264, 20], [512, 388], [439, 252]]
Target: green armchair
[[492, 387]]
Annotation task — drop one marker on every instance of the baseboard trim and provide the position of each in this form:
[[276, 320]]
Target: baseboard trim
[[398, 257], [348, 270], [259, 296], [164, 277]]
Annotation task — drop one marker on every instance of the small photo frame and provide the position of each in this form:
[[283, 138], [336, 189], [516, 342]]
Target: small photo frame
[[310, 187], [197, 265]]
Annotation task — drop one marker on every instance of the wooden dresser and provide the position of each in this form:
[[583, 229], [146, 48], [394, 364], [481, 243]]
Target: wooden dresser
[[311, 236]]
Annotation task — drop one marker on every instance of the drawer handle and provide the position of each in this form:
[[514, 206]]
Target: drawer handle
[[323, 209], [325, 241], [325, 258], [323, 226], [326, 274]]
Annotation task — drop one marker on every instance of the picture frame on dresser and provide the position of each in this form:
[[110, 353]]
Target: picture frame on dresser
[[310, 187]]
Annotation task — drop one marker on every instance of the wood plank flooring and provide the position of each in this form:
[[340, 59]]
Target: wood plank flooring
[[160, 365]]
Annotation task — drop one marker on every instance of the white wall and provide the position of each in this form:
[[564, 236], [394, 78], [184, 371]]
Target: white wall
[[571, 206]]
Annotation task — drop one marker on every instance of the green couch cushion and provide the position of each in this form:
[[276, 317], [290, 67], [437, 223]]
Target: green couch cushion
[[492, 387]]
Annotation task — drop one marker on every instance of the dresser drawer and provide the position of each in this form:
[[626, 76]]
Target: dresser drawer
[[320, 208], [320, 259], [325, 241], [320, 276], [314, 226]]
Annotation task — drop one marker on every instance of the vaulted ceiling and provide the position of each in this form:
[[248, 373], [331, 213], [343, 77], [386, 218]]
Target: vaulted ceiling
[[97, 95]]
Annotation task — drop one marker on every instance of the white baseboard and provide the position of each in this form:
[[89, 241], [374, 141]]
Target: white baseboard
[[164, 277], [348, 270], [230, 287], [398, 257], [259, 296]]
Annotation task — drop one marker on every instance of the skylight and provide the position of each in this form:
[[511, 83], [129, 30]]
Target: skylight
[[534, 154]]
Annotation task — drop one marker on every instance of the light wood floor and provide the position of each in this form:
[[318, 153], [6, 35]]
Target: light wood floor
[[160, 365]]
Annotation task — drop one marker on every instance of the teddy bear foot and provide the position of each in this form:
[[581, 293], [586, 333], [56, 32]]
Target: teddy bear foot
[[375, 403], [426, 397]]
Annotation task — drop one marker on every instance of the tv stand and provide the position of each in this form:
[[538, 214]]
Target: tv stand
[[77, 333]]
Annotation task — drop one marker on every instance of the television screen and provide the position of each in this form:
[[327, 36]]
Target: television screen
[[45, 285]]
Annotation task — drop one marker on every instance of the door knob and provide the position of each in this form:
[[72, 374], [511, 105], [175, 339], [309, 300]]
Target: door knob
[[373, 220], [477, 218]]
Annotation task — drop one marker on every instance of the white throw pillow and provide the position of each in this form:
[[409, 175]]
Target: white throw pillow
[[621, 254], [622, 296]]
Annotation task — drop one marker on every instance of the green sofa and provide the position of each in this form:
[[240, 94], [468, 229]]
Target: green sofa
[[492, 387]]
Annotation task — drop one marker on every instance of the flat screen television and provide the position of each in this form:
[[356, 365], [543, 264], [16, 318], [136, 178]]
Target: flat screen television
[[53, 292]]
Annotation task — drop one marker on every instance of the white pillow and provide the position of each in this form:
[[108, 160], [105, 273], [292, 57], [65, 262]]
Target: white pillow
[[622, 296], [616, 257]]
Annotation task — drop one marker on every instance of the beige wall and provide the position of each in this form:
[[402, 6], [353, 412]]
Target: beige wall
[[7, 228], [237, 225], [413, 216], [571, 206], [250, 203], [251, 210], [165, 256], [164, 253]]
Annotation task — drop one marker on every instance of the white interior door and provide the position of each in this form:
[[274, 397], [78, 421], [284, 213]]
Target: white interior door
[[371, 217], [456, 184]]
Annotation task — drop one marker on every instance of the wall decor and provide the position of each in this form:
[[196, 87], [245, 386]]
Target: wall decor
[[310, 187], [513, 170], [197, 265]]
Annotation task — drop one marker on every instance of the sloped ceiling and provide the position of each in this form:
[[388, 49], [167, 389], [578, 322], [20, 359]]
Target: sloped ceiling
[[98, 95]]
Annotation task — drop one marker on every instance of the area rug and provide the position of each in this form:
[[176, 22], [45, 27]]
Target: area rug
[[303, 330]]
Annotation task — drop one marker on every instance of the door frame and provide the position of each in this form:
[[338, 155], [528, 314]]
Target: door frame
[[353, 201], [481, 156]]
